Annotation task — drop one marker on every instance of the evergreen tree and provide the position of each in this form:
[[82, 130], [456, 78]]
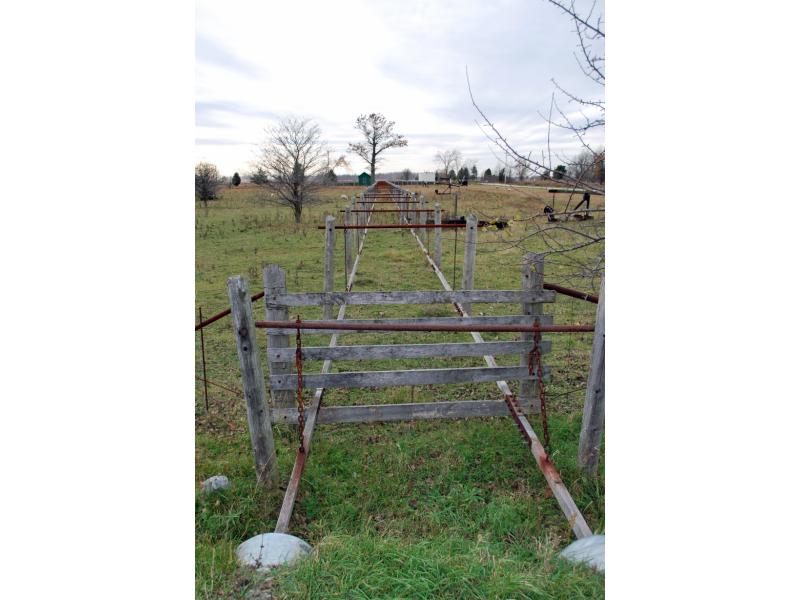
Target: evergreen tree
[[236, 180], [474, 172], [487, 174], [559, 172]]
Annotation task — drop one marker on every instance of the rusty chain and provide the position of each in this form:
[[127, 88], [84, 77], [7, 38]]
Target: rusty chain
[[301, 411], [535, 358]]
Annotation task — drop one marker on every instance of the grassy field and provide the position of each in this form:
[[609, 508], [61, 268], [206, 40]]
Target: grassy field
[[437, 509]]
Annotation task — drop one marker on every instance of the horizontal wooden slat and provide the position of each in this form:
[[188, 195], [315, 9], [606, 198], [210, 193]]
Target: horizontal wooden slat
[[501, 320], [359, 379], [392, 351], [412, 297], [455, 409]]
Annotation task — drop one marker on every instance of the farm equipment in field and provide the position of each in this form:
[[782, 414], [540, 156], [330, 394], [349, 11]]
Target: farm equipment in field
[[586, 199], [498, 223]]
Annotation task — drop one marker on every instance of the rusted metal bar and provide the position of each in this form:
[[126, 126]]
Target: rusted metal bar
[[386, 210], [224, 313], [203, 354], [377, 201], [396, 226], [287, 507], [574, 191], [571, 293], [565, 501], [487, 328]]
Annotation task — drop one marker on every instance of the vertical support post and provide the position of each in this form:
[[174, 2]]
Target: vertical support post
[[330, 242], [275, 283], [415, 212], [348, 244], [594, 407], [468, 276], [354, 236], [255, 394], [532, 279], [203, 353], [437, 240], [424, 220], [455, 237], [362, 220]]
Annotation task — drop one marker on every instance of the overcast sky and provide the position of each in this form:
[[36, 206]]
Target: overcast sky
[[257, 61]]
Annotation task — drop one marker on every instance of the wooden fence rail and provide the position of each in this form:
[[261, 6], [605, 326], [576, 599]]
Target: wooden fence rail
[[393, 351], [360, 379], [421, 297]]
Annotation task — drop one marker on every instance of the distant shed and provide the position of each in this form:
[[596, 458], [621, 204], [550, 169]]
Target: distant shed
[[364, 179]]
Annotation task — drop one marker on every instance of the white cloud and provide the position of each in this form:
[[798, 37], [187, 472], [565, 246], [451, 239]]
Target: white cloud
[[257, 61]]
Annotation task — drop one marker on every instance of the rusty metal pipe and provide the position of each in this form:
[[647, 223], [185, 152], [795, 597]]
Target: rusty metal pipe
[[224, 313], [386, 210], [404, 226], [421, 327], [571, 293]]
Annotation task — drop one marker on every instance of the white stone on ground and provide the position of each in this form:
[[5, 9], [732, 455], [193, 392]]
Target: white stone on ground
[[268, 550], [590, 550], [217, 482]]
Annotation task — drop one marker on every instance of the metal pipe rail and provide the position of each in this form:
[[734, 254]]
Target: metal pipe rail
[[486, 328], [575, 191], [571, 293], [389, 210], [404, 226], [224, 313]]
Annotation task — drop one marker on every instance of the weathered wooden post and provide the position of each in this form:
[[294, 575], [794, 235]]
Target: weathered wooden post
[[363, 219], [259, 420], [423, 220], [357, 219], [437, 239], [330, 242], [348, 244], [468, 276], [532, 279], [275, 283], [594, 406], [412, 214]]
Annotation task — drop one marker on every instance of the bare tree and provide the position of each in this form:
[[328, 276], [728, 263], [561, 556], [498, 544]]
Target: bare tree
[[448, 159], [293, 164], [379, 136], [569, 233], [206, 182], [589, 30]]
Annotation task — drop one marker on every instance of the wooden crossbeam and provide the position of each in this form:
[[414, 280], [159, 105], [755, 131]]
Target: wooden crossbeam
[[410, 297], [393, 351], [361, 379]]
